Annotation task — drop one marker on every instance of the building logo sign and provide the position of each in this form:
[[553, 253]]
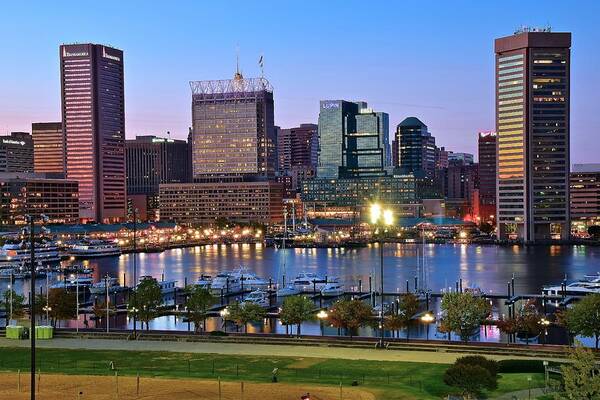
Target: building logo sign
[[9, 141], [109, 56], [329, 105], [74, 54]]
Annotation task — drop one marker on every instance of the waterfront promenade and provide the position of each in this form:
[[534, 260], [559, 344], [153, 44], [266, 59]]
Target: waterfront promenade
[[274, 350]]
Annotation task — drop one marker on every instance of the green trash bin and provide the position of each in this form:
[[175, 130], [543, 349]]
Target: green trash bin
[[16, 332], [43, 332]]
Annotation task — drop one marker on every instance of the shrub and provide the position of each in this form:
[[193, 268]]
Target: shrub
[[520, 366], [471, 380], [490, 365]]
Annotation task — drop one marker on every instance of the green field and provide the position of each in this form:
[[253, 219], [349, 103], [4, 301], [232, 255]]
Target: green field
[[389, 380]]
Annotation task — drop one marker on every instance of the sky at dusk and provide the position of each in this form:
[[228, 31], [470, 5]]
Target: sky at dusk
[[433, 60]]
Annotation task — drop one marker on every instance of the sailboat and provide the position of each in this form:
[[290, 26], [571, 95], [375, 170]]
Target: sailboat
[[290, 289]]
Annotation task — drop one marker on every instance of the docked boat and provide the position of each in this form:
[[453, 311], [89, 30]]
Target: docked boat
[[93, 248], [225, 282], [77, 269], [18, 251], [475, 291], [166, 286], [113, 284], [249, 280], [73, 283], [203, 282], [577, 288], [332, 289], [309, 282], [259, 297], [289, 290]]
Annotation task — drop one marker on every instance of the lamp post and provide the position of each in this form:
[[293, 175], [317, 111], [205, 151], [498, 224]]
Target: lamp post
[[31, 221], [427, 319], [545, 323], [10, 290], [322, 315], [224, 314], [135, 271], [381, 218]]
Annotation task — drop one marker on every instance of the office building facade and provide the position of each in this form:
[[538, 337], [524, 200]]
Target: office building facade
[[416, 148], [532, 124], [93, 119], [204, 203], [233, 130], [16, 152], [486, 145], [48, 147], [35, 194], [353, 140], [297, 152], [585, 195], [153, 160]]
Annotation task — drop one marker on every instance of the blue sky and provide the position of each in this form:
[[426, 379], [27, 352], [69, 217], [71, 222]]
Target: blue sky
[[429, 59]]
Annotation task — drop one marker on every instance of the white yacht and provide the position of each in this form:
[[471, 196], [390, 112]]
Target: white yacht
[[204, 281], [577, 288], [309, 282], [289, 290], [92, 248], [71, 283], [258, 297], [113, 286], [225, 282], [249, 280], [332, 289], [166, 286], [18, 251]]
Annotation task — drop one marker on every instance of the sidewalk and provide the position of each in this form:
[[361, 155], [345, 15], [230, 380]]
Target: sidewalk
[[251, 349]]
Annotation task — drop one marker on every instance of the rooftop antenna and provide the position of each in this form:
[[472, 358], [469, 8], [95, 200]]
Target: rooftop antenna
[[238, 74], [261, 63]]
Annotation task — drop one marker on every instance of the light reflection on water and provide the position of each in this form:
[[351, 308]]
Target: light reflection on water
[[487, 267]]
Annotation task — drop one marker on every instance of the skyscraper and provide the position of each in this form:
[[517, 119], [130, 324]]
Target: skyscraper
[[48, 147], [16, 152], [532, 123], [233, 130], [353, 140], [297, 152], [585, 195], [487, 176], [416, 147], [93, 118]]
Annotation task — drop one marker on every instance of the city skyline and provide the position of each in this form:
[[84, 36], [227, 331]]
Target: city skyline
[[454, 110]]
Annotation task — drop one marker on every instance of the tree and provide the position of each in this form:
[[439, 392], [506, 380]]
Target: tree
[[464, 313], [486, 228], [528, 320], [584, 317], [199, 300], [243, 313], [17, 304], [508, 326], [295, 310], [594, 231], [99, 311], [407, 308], [61, 305], [350, 315], [582, 376], [393, 323], [147, 300], [470, 379]]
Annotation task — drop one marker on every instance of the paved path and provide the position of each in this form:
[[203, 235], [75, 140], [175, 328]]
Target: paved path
[[521, 394], [250, 349]]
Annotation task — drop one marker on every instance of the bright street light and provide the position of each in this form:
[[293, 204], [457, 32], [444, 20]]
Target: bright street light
[[322, 314], [375, 211]]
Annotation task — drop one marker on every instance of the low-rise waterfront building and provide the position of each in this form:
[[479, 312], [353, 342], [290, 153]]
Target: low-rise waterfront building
[[35, 194], [585, 196], [234, 200]]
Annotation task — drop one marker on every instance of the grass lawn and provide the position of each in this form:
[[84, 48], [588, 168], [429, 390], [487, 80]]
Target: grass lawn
[[387, 379]]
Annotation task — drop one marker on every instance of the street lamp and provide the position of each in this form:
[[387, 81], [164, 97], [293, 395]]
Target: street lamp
[[427, 319], [381, 218], [545, 323], [10, 291], [31, 221], [134, 256], [322, 315], [224, 314]]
